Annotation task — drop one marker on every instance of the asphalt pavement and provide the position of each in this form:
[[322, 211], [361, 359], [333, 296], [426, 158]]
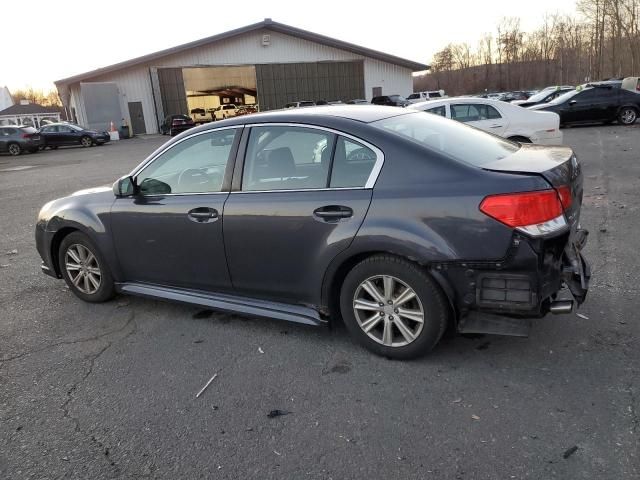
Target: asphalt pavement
[[109, 390]]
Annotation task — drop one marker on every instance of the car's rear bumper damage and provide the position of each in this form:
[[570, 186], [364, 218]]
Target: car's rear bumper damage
[[538, 276]]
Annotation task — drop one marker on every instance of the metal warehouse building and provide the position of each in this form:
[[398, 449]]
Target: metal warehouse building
[[267, 63]]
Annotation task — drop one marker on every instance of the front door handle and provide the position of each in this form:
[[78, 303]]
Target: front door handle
[[203, 214], [495, 126], [333, 213]]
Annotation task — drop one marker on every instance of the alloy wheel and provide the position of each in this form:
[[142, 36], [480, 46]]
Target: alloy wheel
[[86, 141], [388, 311], [628, 116], [14, 149], [83, 268]]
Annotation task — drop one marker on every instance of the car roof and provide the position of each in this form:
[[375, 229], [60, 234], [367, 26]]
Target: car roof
[[443, 101], [358, 113]]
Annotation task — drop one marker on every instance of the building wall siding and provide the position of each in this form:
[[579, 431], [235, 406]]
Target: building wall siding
[[135, 83]]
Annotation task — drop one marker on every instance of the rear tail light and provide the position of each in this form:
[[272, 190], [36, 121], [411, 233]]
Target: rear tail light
[[26, 135], [535, 213], [177, 122], [565, 196]]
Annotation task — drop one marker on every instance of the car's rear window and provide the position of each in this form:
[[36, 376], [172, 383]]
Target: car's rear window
[[454, 139]]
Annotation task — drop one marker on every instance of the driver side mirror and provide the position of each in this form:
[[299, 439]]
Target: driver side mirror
[[124, 187]]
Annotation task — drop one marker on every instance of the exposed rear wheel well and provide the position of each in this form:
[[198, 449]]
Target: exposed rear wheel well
[[55, 246], [333, 291]]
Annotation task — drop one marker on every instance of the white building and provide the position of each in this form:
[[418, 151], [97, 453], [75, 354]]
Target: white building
[[267, 63], [5, 98]]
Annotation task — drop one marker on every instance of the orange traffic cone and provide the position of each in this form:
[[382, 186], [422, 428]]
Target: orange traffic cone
[[113, 128]]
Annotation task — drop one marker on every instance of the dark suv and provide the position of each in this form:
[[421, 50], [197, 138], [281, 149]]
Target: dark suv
[[17, 139], [390, 100], [398, 222]]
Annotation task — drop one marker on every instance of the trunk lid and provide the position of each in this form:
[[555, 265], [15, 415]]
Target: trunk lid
[[556, 164]]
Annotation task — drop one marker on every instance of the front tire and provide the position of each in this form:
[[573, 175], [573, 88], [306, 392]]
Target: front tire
[[86, 141], [84, 269], [393, 307], [627, 116]]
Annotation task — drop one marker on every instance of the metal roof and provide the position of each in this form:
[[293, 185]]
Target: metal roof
[[267, 24]]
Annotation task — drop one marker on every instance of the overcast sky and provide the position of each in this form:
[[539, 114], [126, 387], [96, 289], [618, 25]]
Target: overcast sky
[[52, 40]]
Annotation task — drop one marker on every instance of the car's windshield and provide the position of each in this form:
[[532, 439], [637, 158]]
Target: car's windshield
[[540, 96], [396, 98], [454, 139], [565, 96]]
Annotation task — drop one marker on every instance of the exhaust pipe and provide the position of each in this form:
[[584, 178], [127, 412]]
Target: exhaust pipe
[[561, 306]]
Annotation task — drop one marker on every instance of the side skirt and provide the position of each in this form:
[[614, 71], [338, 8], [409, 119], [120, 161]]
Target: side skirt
[[227, 303]]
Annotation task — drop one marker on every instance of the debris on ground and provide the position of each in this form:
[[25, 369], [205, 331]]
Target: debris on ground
[[277, 413], [260, 350], [475, 417], [12, 252], [124, 303], [277, 453], [570, 451], [207, 384], [5, 265], [583, 316], [198, 341], [457, 400]]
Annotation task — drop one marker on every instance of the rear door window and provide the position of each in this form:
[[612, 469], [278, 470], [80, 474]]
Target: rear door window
[[287, 158], [353, 163]]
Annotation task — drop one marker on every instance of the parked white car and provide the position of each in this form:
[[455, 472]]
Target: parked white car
[[225, 111], [500, 118], [425, 96]]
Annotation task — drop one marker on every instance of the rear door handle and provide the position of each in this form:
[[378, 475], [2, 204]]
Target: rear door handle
[[203, 214], [333, 212], [495, 126]]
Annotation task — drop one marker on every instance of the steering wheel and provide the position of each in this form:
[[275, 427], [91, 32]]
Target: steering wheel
[[361, 154], [193, 176]]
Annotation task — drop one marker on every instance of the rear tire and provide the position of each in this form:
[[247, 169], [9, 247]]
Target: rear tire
[[393, 307], [84, 269], [627, 116], [14, 149]]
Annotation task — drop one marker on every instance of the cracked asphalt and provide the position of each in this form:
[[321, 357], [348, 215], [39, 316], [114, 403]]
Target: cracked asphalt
[[109, 391]]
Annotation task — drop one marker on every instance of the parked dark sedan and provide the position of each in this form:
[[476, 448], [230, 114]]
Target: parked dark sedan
[[56, 135], [390, 100], [17, 139], [603, 102], [399, 222], [175, 124]]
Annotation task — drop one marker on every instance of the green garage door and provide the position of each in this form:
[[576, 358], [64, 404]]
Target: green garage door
[[281, 83]]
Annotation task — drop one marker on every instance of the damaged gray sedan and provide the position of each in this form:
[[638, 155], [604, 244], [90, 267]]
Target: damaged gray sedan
[[400, 223]]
